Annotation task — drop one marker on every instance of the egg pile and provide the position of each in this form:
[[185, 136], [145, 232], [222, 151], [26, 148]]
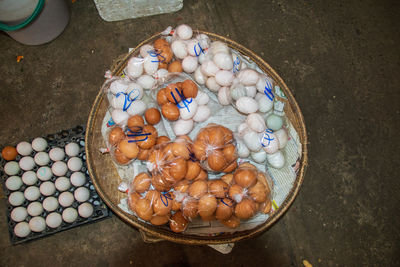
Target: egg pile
[[47, 187]]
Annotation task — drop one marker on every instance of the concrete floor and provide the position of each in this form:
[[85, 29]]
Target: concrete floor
[[341, 61]]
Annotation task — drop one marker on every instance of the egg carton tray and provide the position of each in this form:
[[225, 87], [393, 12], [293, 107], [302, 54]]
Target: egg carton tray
[[60, 139]]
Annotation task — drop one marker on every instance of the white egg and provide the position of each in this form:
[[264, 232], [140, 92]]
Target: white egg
[[44, 173], [82, 194], [69, 215], [85, 210], [182, 127], [134, 91], [274, 122], [202, 114], [75, 164], [119, 116], [202, 98], [146, 81], [11, 168], [276, 160], [243, 151], [264, 82], [66, 199], [145, 50], [199, 76], [212, 84], [224, 96], [187, 108], [59, 168], [237, 62], [118, 86], [251, 91], [56, 154], [247, 105], [219, 47], [204, 57], [265, 104], [258, 96], [138, 107], [243, 128], [118, 101], [42, 158], [192, 47], [184, 32], [62, 184], [72, 149], [39, 144], [14, 183], [223, 61], [282, 136], [53, 220], [270, 142], [32, 193], [35, 209], [37, 224], [150, 65], [259, 156], [161, 74], [29, 178], [209, 68], [179, 49], [50, 204], [237, 91], [204, 40], [78, 179], [248, 77], [22, 229], [19, 214], [47, 188], [24, 148], [224, 77], [26, 163], [252, 141], [256, 122], [134, 67], [189, 64], [16, 198]]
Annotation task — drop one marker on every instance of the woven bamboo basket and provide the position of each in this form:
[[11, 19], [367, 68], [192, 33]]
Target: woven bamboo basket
[[105, 176]]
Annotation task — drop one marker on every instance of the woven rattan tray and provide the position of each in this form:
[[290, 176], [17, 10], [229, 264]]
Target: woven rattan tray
[[105, 176]]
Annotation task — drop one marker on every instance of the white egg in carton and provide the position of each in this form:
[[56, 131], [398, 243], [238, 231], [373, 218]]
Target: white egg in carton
[[48, 187]]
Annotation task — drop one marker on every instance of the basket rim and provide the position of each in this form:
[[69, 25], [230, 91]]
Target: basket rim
[[194, 239]]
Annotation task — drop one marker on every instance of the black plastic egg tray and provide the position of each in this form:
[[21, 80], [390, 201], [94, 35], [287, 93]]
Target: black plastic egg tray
[[61, 139]]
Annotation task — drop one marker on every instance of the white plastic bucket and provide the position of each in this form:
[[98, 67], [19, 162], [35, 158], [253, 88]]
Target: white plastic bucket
[[47, 23]]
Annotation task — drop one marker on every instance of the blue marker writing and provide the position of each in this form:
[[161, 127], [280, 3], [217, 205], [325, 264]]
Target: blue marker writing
[[136, 134], [236, 64], [184, 100], [128, 100], [165, 196], [200, 48], [155, 53], [225, 203], [268, 90], [267, 137]]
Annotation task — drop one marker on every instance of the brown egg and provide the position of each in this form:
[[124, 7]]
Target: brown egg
[[143, 209], [227, 178], [207, 205], [203, 175], [9, 153], [143, 154], [198, 189], [162, 139], [189, 89], [266, 206], [159, 220], [170, 111], [208, 218], [178, 223], [258, 192], [203, 135], [178, 168], [247, 165], [216, 161], [152, 195], [163, 50], [245, 209], [160, 43], [224, 209], [147, 138], [141, 183], [231, 167], [163, 204], [152, 116], [129, 149], [168, 179], [230, 152], [175, 66], [193, 169], [184, 138], [216, 137], [159, 184], [173, 93], [176, 205], [132, 200], [156, 158], [245, 177], [236, 192], [182, 186], [162, 65], [120, 157], [218, 188], [162, 97], [115, 136], [199, 150], [228, 135], [232, 222], [167, 150], [135, 123], [190, 209], [180, 149], [261, 177]]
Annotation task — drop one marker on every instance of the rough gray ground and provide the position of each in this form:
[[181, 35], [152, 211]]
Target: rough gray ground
[[341, 61]]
